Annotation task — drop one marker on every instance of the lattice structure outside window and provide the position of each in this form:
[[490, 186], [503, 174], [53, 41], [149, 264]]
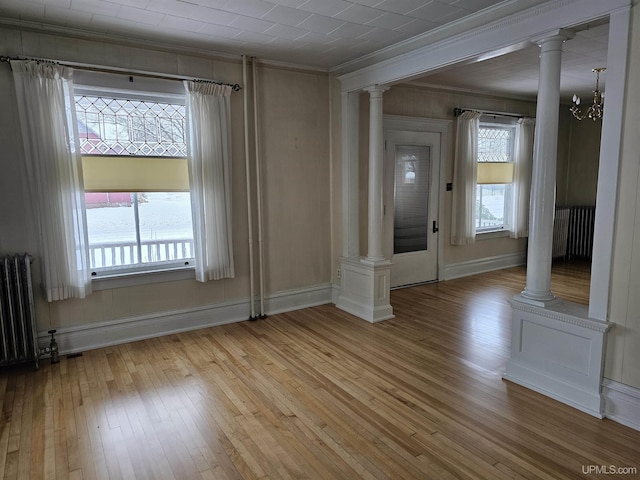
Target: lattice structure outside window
[[117, 126], [495, 144]]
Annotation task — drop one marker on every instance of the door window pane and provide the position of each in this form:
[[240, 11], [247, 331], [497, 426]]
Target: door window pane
[[411, 199]]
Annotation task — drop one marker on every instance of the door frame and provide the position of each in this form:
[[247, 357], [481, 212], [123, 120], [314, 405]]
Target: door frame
[[429, 125]]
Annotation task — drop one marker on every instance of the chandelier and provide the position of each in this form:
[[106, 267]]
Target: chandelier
[[594, 112]]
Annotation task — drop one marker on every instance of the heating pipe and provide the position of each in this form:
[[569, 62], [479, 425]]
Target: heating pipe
[[256, 132], [247, 168]]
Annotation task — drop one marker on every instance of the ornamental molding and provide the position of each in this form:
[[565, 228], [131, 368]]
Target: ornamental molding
[[564, 317]]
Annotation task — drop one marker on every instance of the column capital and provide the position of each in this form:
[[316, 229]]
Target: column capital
[[559, 35], [376, 90]]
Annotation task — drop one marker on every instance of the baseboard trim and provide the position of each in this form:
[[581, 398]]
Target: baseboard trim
[[140, 327], [588, 402], [621, 403], [482, 265]]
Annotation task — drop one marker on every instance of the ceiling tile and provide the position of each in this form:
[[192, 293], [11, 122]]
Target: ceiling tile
[[368, 3], [182, 24], [250, 8], [57, 3], [286, 32], [251, 24], [359, 14], [400, 6], [286, 15], [437, 12], [96, 7], [418, 26], [192, 11], [474, 5], [215, 4], [390, 21], [139, 15], [351, 30], [112, 24], [328, 8], [289, 3], [133, 3], [253, 37], [313, 38], [320, 24], [221, 31], [382, 35]]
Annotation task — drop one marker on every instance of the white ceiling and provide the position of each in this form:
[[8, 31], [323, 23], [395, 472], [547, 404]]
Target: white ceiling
[[321, 34], [516, 73]]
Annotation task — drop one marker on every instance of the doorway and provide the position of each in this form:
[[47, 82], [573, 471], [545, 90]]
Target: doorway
[[412, 200]]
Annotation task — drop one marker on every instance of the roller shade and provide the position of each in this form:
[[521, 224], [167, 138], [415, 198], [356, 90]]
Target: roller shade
[[105, 173], [492, 173]]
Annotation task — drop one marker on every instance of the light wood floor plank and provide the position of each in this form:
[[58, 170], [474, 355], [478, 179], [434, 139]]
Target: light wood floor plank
[[312, 394]]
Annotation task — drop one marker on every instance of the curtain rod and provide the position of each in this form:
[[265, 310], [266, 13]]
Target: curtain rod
[[234, 86], [458, 111]]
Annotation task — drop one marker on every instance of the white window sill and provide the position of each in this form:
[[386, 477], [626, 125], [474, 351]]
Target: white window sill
[[106, 282], [491, 234]]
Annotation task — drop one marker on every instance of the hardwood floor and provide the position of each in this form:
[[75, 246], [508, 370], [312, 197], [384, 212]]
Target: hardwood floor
[[315, 393]]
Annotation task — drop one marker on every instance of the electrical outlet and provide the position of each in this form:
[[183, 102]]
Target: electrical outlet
[[339, 274]]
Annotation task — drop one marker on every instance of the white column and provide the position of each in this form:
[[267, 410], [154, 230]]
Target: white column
[[350, 174], [364, 282], [543, 177], [376, 171]]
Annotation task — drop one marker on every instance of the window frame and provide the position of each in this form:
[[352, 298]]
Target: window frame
[[139, 273], [505, 228]]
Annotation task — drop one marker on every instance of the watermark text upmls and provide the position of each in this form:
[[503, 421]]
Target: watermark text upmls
[[608, 470]]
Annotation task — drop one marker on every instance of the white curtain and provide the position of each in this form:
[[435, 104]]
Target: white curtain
[[46, 109], [209, 152], [522, 178], [463, 222]]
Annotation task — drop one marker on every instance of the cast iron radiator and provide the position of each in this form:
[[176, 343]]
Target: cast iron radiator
[[580, 237], [560, 232], [18, 337], [573, 232]]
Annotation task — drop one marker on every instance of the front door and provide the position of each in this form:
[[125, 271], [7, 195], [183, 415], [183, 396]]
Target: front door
[[412, 164]]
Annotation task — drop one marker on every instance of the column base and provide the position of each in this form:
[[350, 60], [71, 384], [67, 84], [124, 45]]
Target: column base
[[557, 350], [365, 289], [539, 300]]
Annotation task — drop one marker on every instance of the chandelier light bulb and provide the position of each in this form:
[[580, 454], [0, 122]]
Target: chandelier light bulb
[[595, 111]]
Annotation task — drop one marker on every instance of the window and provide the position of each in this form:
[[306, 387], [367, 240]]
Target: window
[[137, 197], [495, 176]]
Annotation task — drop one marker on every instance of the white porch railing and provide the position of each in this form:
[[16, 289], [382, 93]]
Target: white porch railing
[[116, 254]]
